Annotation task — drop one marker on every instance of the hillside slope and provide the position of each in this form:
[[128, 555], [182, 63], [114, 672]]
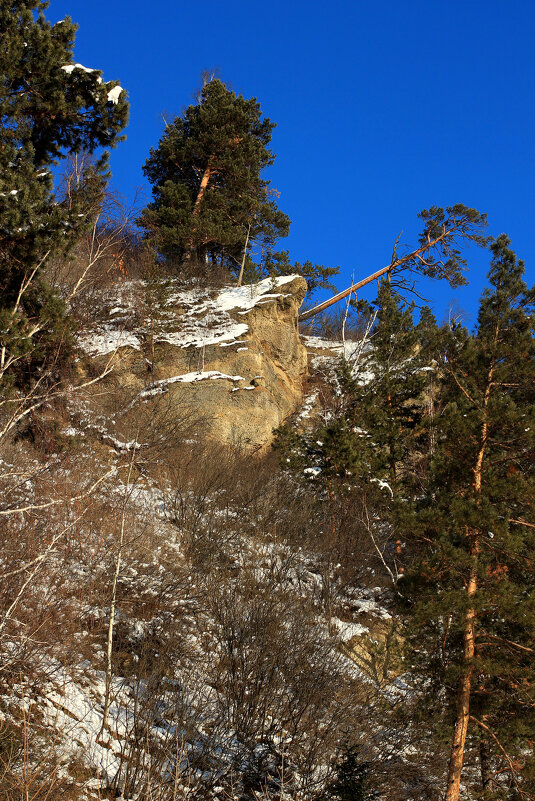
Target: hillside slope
[[185, 622]]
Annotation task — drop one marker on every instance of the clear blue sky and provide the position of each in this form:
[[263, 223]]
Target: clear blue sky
[[382, 108]]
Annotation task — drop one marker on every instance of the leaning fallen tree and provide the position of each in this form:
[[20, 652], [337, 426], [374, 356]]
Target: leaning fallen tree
[[438, 255]]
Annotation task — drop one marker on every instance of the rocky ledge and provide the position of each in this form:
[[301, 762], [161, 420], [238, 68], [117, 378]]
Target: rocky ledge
[[230, 357]]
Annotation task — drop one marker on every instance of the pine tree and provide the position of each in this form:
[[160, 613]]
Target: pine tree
[[210, 201], [49, 107], [317, 275], [378, 435], [427, 334], [389, 403], [351, 782], [471, 589], [438, 255]]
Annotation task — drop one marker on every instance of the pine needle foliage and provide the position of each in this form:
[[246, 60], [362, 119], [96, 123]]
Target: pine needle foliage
[[209, 195], [378, 431], [49, 107], [470, 590], [351, 782]]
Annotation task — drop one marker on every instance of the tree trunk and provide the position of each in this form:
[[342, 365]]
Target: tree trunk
[[465, 682], [463, 692], [205, 180], [207, 174], [445, 235], [113, 601], [240, 277], [484, 764]]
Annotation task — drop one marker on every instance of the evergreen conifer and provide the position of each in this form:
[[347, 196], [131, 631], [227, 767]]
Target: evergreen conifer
[[376, 437], [49, 107], [388, 402], [471, 587], [210, 199], [351, 782]]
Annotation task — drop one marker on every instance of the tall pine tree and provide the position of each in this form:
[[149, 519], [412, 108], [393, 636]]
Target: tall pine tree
[[471, 588], [211, 203], [388, 404], [376, 436], [49, 107]]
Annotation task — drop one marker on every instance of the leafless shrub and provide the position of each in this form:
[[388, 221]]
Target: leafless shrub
[[29, 765], [333, 325], [275, 670], [108, 250]]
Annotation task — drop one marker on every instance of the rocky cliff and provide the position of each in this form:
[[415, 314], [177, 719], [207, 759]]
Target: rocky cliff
[[231, 357]]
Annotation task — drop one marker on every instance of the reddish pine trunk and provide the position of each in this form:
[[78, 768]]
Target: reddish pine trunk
[[204, 183], [484, 764], [463, 697], [465, 682], [205, 180]]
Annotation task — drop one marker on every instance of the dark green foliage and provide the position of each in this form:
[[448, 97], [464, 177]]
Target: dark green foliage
[[317, 275], [452, 227], [475, 518], [427, 335], [351, 780], [223, 140], [378, 431], [447, 418], [365, 460], [389, 403], [291, 448], [46, 112]]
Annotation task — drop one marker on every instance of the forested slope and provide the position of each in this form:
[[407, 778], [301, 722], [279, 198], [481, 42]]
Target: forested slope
[[237, 564]]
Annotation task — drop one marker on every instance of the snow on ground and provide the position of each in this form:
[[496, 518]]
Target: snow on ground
[[212, 329], [308, 405], [107, 340], [76, 710], [312, 471], [348, 630], [348, 349], [373, 608], [73, 702], [356, 353], [245, 297], [366, 602]]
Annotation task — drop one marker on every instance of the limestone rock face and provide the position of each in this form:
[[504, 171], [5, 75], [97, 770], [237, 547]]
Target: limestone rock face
[[232, 357]]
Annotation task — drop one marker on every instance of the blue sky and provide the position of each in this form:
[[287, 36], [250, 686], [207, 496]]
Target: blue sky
[[382, 108]]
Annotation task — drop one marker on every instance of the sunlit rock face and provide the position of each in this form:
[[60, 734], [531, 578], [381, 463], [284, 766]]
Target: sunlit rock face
[[230, 358]]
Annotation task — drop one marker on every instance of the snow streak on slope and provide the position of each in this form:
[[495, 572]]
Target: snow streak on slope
[[107, 340], [185, 318], [187, 378]]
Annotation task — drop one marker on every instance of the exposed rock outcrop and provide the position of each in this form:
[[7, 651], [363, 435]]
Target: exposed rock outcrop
[[232, 357]]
